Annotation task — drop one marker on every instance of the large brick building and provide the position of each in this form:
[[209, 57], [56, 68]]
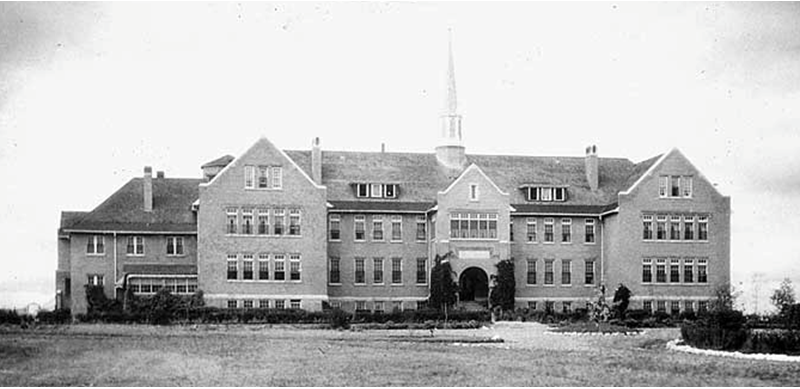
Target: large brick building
[[360, 230]]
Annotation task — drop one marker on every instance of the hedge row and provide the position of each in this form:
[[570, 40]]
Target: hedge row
[[729, 330]]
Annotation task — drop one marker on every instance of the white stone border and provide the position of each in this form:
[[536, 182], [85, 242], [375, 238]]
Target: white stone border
[[674, 345], [595, 333]]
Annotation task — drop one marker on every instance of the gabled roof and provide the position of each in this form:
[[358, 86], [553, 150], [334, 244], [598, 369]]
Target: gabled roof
[[421, 176], [124, 210], [219, 162], [69, 218]]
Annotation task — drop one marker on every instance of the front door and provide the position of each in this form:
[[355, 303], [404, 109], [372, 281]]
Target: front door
[[473, 285]]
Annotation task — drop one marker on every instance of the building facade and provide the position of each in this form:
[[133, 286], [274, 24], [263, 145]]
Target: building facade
[[310, 229]]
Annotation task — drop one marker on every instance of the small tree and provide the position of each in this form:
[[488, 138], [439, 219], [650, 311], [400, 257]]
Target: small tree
[[443, 288], [784, 296], [725, 296], [622, 298], [505, 287]]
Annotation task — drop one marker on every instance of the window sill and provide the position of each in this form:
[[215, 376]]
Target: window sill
[[335, 240], [135, 255], [263, 189], [335, 284], [673, 241], [176, 255], [475, 239], [393, 284], [97, 255], [395, 241], [590, 243]]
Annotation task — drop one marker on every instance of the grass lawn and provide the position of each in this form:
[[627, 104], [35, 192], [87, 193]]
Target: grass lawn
[[111, 355]]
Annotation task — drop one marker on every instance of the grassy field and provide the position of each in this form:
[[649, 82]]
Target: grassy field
[[111, 355]]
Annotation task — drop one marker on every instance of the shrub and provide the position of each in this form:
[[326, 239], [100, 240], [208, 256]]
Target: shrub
[[622, 298], [443, 288], [9, 316], [503, 292], [772, 342], [60, 316], [717, 330]]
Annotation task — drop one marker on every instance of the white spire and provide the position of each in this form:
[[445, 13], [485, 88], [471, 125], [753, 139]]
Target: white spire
[[451, 120]]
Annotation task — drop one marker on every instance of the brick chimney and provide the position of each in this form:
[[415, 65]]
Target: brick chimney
[[316, 161], [147, 185], [160, 174], [592, 166]]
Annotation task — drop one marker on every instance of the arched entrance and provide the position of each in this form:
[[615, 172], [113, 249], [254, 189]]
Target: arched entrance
[[473, 285]]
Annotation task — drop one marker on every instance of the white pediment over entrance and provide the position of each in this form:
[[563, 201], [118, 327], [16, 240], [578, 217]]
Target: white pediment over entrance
[[474, 254]]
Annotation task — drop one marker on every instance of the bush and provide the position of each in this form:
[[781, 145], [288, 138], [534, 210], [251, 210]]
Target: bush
[[9, 316], [339, 319], [716, 330], [60, 316], [772, 342]]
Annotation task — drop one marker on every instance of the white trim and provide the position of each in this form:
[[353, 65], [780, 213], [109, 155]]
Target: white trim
[[672, 298], [473, 166], [660, 160], [266, 296], [378, 298], [649, 171], [370, 211], [555, 299], [132, 232]]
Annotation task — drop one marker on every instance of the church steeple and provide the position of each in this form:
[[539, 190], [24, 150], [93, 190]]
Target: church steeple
[[450, 151]]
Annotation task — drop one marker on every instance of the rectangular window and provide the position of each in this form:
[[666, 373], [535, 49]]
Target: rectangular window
[[702, 271], [559, 194], [566, 307], [247, 272], [548, 306], [294, 222], [647, 270], [359, 225], [688, 271], [674, 307], [294, 267], [589, 236], [249, 177], [548, 272], [674, 270], [566, 272], [661, 228], [546, 194], [661, 270], [280, 269], [231, 226], [263, 266], [531, 276], [263, 303], [336, 304], [95, 245], [589, 276], [334, 227], [280, 304], [675, 228], [421, 232], [135, 245], [247, 221], [566, 230], [473, 192], [688, 228], [248, 304], [233, 267], [688, 306], [702, 306], [263, 221], [511, 231], [362, 190], [397, 270], [231, 304], [702, 228], [377, 270], [263, 177], [377, 228], [422, 271], [663, 182], [533, 193], [397, 306], [334, 277], [359, 270], [294, 304], [647, 227], [280, 218], [277, 177], [675, 186], [397, 228], [95, 279], [647, 306], [390, 191], [531, 229], [661, 306], [376, 190], [378, 307], [473, 226], [686, 183], [548, 230], [361, 306], [493, 226]]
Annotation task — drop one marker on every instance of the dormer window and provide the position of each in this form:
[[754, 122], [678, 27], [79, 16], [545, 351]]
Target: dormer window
[[545, 193], [377, 191]]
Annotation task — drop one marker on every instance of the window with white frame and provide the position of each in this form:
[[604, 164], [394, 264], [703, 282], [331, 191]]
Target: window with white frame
[[674, 307], [277, 177], [548, 271], [280, 304], [280, 218], [361, 306], [377, 271], [688, 270], [421, 228], [589, 272], [674, 270], [531, 305], [294, 304], [473, 226], [702, 306], [279, 274], [545, 193], [688, 227], [263, 221], [249, 177], [647, 227], [702, 228], [675, 186], [686, 186], [377, 227], [661, 306], [263, 303], [294, 222], [397, 270], [263, 177], [247, 304], [359, 227], [263, 266], [566, 272], [675, 227], [702, 271], [294, 267], [362, 190], [377, 306], [588, 236], [647, 306], [360, 276], [422, 271], [566, 230], [548, 230], [531, 230], [376, 190], [647, 270], [232, 220], [390, 191], [334, 227], [135, 245], [531, 273], [397, 228], [397, 306], [231, 304], [688, 306], [661, 227], [511, 230], [336, 304], [95, 279], [473, 192], [233, 267], [247, 266], [661, 270], [247, 221], [95, 245], [559, 194]]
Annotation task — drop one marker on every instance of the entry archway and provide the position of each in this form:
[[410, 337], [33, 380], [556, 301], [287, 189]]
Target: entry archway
[[473, 284]]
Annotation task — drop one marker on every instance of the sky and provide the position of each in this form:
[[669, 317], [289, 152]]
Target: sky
[[90, 93]]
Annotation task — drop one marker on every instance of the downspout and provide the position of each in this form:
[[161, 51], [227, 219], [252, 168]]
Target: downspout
[[115, 266], [602, 252]]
